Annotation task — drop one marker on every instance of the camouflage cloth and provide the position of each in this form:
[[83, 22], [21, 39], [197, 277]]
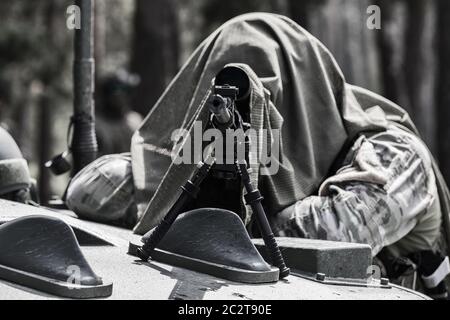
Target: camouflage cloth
[[384, 194]]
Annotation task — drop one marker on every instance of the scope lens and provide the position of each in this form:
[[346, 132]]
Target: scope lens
[[236, 77]]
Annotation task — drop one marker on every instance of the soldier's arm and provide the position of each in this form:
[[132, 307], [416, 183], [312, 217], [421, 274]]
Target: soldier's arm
[[382, 192]]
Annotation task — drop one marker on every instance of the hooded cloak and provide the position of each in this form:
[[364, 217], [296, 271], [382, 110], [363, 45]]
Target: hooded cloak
[[296, 87]]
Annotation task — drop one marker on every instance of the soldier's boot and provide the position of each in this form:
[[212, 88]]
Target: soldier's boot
[[433, 269], [394, 267]]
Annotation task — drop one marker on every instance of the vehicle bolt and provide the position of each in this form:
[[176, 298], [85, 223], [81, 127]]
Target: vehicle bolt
[[320, 277], [384, 281]]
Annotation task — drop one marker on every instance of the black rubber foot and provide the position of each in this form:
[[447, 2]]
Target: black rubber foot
[[142, 254], [284, 272]]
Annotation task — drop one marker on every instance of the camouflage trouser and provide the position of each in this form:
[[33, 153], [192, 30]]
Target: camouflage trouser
[[384, 195]]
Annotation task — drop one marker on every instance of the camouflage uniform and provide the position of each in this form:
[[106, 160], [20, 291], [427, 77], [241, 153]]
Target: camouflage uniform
[[384, 195]]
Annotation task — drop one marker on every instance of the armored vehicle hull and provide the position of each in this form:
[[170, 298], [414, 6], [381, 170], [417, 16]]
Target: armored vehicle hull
[[105, 248]]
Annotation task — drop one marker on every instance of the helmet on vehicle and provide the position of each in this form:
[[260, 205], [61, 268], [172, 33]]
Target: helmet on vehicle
[[104, 191], [15, 180]]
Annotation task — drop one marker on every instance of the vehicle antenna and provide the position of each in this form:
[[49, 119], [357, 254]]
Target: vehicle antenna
[[84, 142]]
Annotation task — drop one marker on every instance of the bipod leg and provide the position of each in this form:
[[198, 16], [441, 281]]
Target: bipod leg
[[254, 198], [188, 192]]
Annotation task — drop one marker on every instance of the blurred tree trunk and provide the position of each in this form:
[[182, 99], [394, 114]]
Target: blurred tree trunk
[[409, 60], [44, 146], [341, 26], [420, 72], [392, 50], [303, 12], [443, 86], [280, 7], [45, 115], [217, 12], [155, 50], [100, 40], [21, 118]]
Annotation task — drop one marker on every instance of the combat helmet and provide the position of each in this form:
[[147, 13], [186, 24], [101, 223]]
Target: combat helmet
[[15, 180]]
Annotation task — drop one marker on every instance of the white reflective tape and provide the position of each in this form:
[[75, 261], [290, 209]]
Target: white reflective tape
[[438, 276]]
